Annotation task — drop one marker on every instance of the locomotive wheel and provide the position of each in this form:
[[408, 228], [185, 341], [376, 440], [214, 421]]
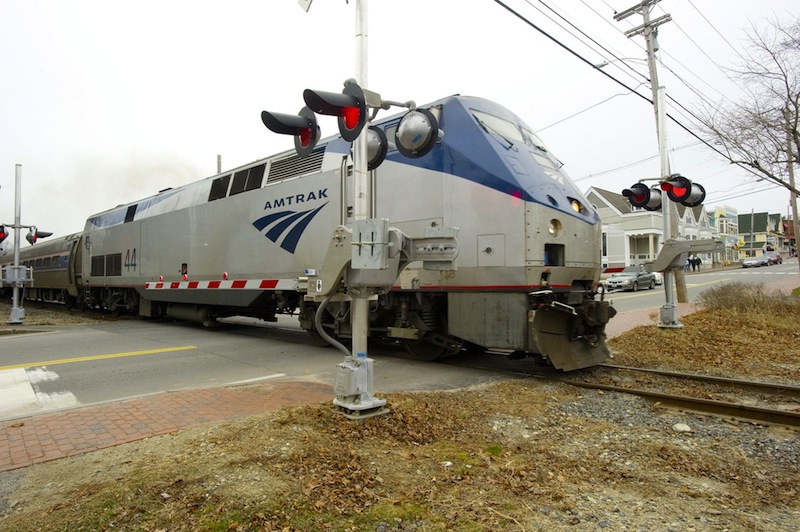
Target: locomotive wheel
[[316, 338], [427, 350], [424, 350]]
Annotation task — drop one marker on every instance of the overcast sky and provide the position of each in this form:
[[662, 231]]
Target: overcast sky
[[106, 102]]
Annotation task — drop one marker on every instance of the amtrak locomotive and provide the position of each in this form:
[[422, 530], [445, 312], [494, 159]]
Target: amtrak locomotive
[[242, 243]]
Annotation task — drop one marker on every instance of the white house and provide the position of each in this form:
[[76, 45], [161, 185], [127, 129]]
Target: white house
[[633, 236]]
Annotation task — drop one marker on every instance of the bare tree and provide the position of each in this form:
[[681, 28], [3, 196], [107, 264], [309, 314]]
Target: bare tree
[[760, 132]]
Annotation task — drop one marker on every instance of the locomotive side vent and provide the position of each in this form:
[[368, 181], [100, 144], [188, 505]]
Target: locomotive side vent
[[295, 166]]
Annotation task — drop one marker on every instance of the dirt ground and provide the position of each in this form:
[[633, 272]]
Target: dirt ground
[[515, 454]]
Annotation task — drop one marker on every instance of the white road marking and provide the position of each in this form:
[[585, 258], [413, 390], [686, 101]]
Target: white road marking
[[21, 395]]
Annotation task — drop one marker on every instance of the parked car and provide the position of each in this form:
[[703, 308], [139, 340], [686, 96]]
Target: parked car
[[774, 257], [659, 278], [631, 278], [756, 262]]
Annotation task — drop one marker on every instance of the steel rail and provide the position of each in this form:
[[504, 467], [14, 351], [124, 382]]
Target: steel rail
[[768, 387], [709, 406]]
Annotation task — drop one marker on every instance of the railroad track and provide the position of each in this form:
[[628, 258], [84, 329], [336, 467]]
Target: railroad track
[[769, 403]]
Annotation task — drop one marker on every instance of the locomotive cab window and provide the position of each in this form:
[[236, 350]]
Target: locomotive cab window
[[499, 127], [219, 188]]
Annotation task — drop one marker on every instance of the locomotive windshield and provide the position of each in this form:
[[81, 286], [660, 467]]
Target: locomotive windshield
[[514, 134], [508, 131]]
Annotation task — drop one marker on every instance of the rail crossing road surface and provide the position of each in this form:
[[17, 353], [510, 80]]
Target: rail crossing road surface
[[81, 365]]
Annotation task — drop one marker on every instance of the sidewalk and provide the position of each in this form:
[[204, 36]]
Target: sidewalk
[[45, 437]]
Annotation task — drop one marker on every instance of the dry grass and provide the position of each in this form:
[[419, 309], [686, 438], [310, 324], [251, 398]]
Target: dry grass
[[740, 330]]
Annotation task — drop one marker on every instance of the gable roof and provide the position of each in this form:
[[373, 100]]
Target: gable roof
[[613, 199]]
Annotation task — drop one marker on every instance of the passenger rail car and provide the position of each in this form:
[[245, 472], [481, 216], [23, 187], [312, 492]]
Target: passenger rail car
[[56, 265], [239, 243]]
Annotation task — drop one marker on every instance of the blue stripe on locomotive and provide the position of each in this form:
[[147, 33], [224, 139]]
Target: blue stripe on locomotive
[[470, 152]]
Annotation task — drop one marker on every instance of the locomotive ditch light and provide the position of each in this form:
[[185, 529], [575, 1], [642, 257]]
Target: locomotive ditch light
[[682, 190], [577, 206], [417, 133], [303, 126], [640, 195], [377, 146], [34, 235], [350, 106]]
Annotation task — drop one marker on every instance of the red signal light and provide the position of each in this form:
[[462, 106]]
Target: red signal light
[[640, 195], [682, 190], [350, 106], [351, 117], [303, 126], [305, 136], [675, 191]]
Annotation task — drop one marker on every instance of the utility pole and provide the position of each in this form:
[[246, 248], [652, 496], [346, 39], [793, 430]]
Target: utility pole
[[669, 312], [790, 167]]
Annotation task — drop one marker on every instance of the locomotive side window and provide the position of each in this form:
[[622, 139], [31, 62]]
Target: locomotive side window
[[219, 188], [255, 177], [239, 181], [130, 213]]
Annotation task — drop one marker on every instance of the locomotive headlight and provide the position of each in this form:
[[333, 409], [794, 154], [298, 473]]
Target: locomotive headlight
[[577, 206], [554, 227]]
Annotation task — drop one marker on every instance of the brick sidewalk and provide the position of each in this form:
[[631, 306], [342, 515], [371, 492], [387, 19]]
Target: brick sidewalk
[[45, 437]]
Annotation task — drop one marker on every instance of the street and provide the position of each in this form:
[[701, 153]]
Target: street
[[86, 364]]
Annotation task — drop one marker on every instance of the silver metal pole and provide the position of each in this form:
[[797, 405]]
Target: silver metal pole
[[17, 312], [361, 205]]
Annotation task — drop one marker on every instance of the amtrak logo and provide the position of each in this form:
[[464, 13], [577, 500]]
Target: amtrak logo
[[292, 224]]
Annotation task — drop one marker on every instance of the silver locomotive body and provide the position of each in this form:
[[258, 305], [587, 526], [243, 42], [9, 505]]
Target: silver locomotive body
[[243, 243]]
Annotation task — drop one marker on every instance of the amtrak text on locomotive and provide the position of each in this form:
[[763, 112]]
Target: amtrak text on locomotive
[[297, 198]]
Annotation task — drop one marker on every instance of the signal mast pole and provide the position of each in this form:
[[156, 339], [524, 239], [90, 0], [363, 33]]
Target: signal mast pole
[[669, 312], [362, 208]]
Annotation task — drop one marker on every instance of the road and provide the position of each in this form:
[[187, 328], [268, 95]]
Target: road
[[697, 282], [87, 364], [81, 365]]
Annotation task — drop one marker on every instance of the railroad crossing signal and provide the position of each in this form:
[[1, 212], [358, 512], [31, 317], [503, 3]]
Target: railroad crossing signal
[[34, 234], [349, 106], [678, 188], [640, 195], [303, 126], [683, 191], [415, 135]]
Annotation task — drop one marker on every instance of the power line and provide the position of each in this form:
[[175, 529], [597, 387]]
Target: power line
[[715, 29], [583, 110], [650, 101]]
